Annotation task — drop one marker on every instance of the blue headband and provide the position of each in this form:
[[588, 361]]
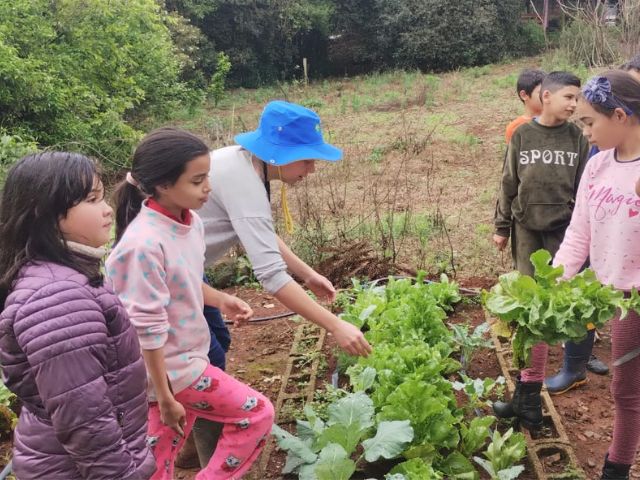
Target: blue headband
[[597, 91]]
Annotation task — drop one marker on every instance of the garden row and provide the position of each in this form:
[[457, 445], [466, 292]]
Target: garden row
[[401, 402]]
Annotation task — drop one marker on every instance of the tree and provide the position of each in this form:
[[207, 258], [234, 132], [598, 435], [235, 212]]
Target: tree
[[82, 75], [439, 35], [265, 40]]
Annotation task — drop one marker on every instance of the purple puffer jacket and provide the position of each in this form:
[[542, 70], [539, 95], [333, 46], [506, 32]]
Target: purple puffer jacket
[[68, 351]]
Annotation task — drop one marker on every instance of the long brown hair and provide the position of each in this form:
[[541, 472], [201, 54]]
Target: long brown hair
[[39, 191]]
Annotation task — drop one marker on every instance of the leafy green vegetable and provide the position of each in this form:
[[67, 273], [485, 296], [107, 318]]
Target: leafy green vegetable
[[502, 454], [334, 464], [458, 467], [361, 378], [548, 309], [474, 435], [411, 409], [469, 341], [406, 374], [404, 310], [394, 364], [390, 440], [300, 451], [323, 448], [479, 389], [414, 469], [353, 411], [429, 409]]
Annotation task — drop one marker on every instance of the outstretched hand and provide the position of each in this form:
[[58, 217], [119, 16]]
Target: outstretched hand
[[237, 310], [321, 287], [351, 339]]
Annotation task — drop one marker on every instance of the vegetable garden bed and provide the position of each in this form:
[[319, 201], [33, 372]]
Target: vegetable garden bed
[[259, 356], [410, 410]]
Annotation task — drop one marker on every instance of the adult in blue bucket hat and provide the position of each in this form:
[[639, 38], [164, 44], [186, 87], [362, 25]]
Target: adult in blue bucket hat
[[287, 134], [283, 148]]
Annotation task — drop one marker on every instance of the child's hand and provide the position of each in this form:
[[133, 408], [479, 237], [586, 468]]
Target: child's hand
[[638, 187], [173, 415], [351, 339], [321, 287], [237, 310], [500, 241]]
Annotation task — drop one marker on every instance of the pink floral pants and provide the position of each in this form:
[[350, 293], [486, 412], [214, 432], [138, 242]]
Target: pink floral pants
[[246, 414]]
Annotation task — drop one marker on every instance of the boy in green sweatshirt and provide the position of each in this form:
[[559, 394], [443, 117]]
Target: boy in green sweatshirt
[[544, 163]]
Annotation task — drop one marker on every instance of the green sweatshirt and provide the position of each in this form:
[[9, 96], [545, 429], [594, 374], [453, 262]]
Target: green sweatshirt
[[540, 177]]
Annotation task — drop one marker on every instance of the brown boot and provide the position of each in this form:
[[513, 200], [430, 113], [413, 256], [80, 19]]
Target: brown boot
[[188, 456], [206, 434]]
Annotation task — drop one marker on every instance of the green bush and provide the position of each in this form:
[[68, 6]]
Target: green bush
[[83, 75], [529, 39], [216, 86], [438, 34], [265, 40], [12, 148]]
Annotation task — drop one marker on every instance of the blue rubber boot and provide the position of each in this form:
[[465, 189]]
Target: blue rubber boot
[[574, 369]]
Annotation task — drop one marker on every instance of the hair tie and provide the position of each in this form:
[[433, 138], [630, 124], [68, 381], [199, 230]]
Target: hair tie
[[132, 181], [598, 91]]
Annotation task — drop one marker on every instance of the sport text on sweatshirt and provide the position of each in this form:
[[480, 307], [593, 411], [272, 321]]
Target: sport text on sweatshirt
[[540, 177]]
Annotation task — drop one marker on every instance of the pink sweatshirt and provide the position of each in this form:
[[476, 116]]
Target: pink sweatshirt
[[605, 225], [156, 269]]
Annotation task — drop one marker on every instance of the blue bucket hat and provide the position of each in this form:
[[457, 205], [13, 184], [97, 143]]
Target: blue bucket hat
[[287, 133]]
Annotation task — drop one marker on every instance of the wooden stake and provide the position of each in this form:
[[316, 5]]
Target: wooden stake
[[305, 67]]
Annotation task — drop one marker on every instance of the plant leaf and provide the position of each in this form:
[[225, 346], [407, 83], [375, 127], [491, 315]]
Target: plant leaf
[[355, 410], [486, 464], [345, 436], [457, 466], [334, 464], [415, 469], [510, 473], [390, 440], [361, 379], [293, 445]]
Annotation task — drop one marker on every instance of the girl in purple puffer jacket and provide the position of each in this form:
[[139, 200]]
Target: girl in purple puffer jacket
[[67, 348]]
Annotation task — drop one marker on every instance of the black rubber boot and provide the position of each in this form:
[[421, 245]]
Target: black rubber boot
[[574, 369], [525, 405], [614, 471]]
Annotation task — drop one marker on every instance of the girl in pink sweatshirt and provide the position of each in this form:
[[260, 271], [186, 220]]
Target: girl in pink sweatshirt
[[156, 268], [605, 226]]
